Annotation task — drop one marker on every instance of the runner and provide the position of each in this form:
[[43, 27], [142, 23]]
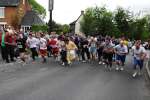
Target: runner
[[84, 46], [63, 53], [21, 44], [108, 53], [32, 44], [43, 47], [53, 43], [71, 50], [100, 46], [93, 48], [139, 54], [121, 50]]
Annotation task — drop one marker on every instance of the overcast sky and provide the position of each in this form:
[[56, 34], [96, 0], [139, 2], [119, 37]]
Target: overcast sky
[[66, 11]]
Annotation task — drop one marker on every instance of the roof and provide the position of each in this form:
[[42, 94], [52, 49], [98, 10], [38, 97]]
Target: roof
[[74, 22], [31, 18], [7, 3]]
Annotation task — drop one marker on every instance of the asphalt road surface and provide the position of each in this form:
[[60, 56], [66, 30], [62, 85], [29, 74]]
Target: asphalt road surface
[[84, 81]]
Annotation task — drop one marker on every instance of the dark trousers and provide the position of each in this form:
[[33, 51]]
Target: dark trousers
[[49, 49], [63, 56], [85, 51], [10, 52], [4, 53], [108, 57], [34, 53], [100, 53]]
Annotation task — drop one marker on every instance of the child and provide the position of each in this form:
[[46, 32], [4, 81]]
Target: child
[[21, 46], [63, 54]]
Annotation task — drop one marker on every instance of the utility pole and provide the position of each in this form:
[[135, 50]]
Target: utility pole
[[51, 6]]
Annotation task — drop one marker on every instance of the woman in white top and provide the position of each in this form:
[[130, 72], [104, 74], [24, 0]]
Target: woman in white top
[[32, 44]]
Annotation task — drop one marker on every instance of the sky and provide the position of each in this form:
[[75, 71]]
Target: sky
[[67, 11]]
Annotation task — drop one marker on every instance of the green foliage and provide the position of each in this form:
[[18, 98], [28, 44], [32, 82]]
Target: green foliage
[[98, 20], [121, 22], [37, 28], [88, 22], [58, 28], [65, 28], [123, 19], [38, 8]]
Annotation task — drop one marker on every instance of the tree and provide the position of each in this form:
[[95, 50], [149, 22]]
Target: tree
[[123, 19], [104, 21], [15, 21], [65, 28], [38, 8], [98, 20], [88, 22], [122, 22], [37, 28]]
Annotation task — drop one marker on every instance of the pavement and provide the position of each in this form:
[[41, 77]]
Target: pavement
[[81, 81], [148, 65]]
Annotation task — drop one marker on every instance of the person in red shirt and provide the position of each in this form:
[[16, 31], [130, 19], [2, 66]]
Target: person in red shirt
[[53, 44], [10, 41]]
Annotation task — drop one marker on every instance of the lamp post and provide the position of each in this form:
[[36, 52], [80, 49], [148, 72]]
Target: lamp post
[[51, 5]]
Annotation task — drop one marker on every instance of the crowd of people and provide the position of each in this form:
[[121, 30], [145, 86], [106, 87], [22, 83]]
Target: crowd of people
[[67, 49]]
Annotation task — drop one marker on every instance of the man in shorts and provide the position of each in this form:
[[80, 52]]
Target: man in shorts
[[139, 54], [121, 50]]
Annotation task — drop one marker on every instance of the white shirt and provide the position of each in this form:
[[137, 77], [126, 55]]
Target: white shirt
[[121, 49], [137, 52], [32, 42], [43, 44]]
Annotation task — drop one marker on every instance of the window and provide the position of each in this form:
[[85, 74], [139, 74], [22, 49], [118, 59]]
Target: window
[[3, 24], [2, 15], [23, 1]]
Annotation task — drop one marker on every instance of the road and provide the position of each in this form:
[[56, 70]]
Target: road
[[84, 81]]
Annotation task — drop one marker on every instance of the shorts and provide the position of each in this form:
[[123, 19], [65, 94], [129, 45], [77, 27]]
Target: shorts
[[93, 50], [43, 53], [55, 51], [121, 58], [138, 62], [108, 56]]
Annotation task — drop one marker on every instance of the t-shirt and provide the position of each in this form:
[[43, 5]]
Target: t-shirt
[[32, 42], [43, 44], [53, 43], [137, 52], [93, 44], [21, 44], [108, 48], [121, 49], [84, 43], [71, 46], [3, 40], [125, 42]]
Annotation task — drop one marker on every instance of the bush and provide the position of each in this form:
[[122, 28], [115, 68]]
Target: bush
[[37, 28]]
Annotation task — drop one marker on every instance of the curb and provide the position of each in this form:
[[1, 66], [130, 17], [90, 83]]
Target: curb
[[148, 69]]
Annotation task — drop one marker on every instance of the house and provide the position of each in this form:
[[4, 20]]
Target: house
[[29, 19], [75, 25], [12, 13]]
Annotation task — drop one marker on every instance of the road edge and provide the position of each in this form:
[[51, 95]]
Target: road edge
[[148, 69]]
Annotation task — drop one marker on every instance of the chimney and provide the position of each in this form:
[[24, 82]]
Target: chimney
[[82, 12]]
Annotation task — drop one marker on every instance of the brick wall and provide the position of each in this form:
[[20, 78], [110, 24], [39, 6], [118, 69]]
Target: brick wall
[[15, 13]]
